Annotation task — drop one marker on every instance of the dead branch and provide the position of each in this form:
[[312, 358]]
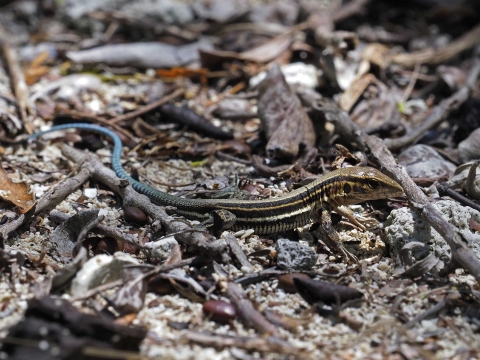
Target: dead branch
[[437, 56], [462, 255], [268, 345], [19, 85], [56, 194], [185, 234]]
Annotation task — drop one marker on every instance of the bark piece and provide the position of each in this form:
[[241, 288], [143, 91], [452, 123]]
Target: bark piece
[[65, 235]]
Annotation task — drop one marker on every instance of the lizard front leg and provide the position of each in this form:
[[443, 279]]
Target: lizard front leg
[[361, 222], [331, 235]]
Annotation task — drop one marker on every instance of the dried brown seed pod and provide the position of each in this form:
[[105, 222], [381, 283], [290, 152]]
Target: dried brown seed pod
[[219, 310], [134, 215]]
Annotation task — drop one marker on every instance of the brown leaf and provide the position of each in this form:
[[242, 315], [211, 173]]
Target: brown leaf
[[131, 296], [285, 122], [314, 291], [356, 89], [16, 193]]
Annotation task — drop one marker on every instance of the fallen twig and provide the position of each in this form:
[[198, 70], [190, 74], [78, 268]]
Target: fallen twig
[[237, 251], [268, 344], [247, 312], [147, 108], [200, 240], [56, 194], [439, 112], [440, 55], [19, 85], [462, 255]]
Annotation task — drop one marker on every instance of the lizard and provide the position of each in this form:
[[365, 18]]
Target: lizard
[[309, 203]]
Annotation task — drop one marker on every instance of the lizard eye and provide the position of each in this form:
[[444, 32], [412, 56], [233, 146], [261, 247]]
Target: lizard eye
[[373, 184], [347, 188]]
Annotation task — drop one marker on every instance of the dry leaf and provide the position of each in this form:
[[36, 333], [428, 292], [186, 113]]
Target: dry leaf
[[353, 93], [287, 126], [16, 193], [376, 54]]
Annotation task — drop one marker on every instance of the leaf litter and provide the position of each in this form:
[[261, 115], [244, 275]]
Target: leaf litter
[[180, 80]]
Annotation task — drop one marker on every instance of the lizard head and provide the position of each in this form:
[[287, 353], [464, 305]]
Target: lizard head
[[360, 184]]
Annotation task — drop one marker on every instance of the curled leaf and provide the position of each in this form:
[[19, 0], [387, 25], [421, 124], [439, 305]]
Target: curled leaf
[[466, 176], [421, 267], [131, 296], [469, 149], [66, 234], [472, 186], [16, 193]]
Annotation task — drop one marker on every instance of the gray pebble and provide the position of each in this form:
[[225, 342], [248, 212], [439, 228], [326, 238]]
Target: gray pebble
[[292, 255]]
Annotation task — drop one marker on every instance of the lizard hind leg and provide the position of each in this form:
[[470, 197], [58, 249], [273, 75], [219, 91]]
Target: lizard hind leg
[[222, 220]]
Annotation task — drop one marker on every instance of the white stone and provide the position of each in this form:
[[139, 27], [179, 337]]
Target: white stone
[[296, 73], [90, 193], [100, 270], [405, 225], [161, 248]]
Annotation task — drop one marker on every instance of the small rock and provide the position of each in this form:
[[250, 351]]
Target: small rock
[[134, 215], [90, 193], [162, 248], [405, 225], [296, 73], [422, 161], [294, 256], [220, 310]]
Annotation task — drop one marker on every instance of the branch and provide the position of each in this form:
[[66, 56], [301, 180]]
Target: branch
[[184, 233]]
